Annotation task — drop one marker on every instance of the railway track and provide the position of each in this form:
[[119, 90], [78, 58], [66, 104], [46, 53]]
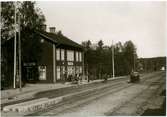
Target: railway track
[[60, 92], [79, 99], [83, 99]]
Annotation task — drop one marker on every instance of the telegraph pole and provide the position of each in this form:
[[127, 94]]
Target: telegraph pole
[[17, 51], [19, 47], [113, 75], [15, 20]]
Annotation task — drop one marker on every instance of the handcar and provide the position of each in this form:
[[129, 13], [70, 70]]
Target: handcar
[[134, 77]]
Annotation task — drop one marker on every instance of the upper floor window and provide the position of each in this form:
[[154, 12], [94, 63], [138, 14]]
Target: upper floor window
[[76, 55], [57, 54], [70, 55], [80, 56], [62, 54]]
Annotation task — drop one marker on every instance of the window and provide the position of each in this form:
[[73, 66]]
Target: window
[[63, 69], [80, 56], [70, 55], [80, 69], [70, 70], [77, 70], [42, 72], [76, 55], [62, 54], [62, 72], [57, 54], [58, 72]]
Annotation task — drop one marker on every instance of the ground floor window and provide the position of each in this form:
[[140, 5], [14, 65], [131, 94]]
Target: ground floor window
[[70, 73], [42, 72], [63, 70], [62, 73], [70, 70], [58, 72], [78, 69], [29, 73]]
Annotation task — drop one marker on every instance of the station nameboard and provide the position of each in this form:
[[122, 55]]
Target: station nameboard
[[70, 63], [29, 64]]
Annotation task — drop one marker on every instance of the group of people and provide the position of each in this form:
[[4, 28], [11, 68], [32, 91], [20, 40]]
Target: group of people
[[76, 78]]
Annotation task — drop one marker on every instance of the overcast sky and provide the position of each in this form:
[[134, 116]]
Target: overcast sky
[[142, 22]]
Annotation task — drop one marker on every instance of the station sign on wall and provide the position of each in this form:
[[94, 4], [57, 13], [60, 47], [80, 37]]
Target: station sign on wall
[[70, 63], [29, 64]]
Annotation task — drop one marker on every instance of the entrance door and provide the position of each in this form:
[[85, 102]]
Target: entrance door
[[29, 73]]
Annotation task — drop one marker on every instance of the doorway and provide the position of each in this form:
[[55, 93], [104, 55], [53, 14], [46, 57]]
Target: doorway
[[31, 73]]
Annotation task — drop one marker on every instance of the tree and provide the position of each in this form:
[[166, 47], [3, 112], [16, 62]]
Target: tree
[[100, 60], [31, 17], [119, 59], [32, 20], [87, 49], [7, 32], [7, 20], [86, 44], [129, 56], [100, 44]]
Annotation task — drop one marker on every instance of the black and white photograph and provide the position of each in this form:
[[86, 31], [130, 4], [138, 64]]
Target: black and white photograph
[[83, 58]]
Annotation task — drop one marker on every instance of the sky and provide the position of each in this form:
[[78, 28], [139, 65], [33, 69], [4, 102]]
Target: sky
[[144, 23]]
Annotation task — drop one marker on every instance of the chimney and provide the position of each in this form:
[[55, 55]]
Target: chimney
[[52, 30], [44, 27]]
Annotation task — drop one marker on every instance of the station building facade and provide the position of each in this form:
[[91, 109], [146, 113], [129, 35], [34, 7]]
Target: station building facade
[[61, 57]]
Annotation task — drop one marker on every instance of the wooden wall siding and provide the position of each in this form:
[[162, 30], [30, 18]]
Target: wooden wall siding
[[65, 62], [47, 60]]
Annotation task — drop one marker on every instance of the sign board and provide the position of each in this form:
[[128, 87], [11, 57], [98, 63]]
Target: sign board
[[29, 64], [70, 63]]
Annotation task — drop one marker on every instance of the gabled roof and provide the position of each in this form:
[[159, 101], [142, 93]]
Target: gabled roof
[[60, 39]]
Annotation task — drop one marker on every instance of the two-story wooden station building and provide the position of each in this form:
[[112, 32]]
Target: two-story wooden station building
[[61, 57]]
